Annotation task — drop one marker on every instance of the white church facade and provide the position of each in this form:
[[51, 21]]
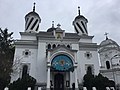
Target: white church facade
[[55, 58]]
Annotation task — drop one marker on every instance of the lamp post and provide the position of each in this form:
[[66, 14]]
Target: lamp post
[[115, 56]]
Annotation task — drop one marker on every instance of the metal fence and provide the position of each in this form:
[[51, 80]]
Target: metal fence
[[84, 88]]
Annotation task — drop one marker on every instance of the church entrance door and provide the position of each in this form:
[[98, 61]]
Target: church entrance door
[[59, 82]]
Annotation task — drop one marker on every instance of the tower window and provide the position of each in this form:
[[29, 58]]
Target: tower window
[[80, 27], [34, 24], [24, 71], [84, 26], [108, 64], [29, 23]]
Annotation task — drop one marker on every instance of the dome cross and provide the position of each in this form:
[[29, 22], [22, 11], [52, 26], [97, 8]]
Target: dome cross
[[58, 25], [106, 34]]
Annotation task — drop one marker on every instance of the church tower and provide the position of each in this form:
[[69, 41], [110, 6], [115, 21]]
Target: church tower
[[80, 24], [32, 20]]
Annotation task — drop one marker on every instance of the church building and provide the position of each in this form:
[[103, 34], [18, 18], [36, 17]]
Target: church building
[[109, 53], [53, 57]]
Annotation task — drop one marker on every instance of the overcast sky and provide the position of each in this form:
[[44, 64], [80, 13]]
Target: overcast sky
[[103, 15]]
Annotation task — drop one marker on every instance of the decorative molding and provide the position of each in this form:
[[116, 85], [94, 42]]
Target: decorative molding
[[26, 53], [88, 55]]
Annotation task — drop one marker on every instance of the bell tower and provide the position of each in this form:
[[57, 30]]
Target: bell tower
[[32, 20], [80, 24]]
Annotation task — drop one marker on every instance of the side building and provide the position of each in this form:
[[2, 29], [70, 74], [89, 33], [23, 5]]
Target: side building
[[109, 53]]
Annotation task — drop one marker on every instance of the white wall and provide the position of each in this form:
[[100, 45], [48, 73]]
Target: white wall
[[20, 59], [41, 63], [28, 37], [82, 61]]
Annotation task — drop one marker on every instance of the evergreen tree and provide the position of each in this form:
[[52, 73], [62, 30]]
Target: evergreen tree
[[101, 82], [6, 56], [23, 83], [88, 79]]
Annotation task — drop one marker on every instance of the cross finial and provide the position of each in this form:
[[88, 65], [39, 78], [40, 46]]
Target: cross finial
[[58, 25], [78, 10], [34, 7], [106, 34]]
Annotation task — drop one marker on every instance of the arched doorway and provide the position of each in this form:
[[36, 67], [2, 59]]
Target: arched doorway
[[58, 82], [24, 71]]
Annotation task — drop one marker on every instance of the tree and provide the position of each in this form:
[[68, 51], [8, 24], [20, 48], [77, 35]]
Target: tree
[[88, 79], [101, 82], [6, 56], [23, 83]]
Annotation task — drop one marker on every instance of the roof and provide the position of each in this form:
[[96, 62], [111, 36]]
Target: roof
[[108, 42], [80, 17], [32, 13]]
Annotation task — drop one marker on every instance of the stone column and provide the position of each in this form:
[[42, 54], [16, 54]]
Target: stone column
[[76, 82], [48, 78]]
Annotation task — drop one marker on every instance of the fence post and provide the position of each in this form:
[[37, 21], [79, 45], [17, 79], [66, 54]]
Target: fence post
[[39, 88], [29, 88], [84, 88], [112, 88], [107, 88], [94, 88], [6, 88]]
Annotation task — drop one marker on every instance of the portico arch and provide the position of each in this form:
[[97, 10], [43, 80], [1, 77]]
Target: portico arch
[[63, 53], [62, 63], [67, 66]]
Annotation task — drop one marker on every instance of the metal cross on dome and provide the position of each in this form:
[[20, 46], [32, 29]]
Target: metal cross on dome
[[58, 25], [106, 34]]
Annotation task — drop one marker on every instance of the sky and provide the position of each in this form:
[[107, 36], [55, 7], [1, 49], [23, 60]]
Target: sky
[[103, 16]]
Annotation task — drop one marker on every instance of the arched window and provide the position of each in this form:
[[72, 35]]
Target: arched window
[[89, 69], [54, 46], [58, 45], [49, 46], [68, 46], [108, 64], [24, 71]]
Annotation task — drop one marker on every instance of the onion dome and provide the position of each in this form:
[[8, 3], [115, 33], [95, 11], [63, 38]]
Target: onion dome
[[32, 20], [80, 24], [52, 28]]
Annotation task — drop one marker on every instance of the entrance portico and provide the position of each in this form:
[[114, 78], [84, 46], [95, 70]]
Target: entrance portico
[[62, 70]]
